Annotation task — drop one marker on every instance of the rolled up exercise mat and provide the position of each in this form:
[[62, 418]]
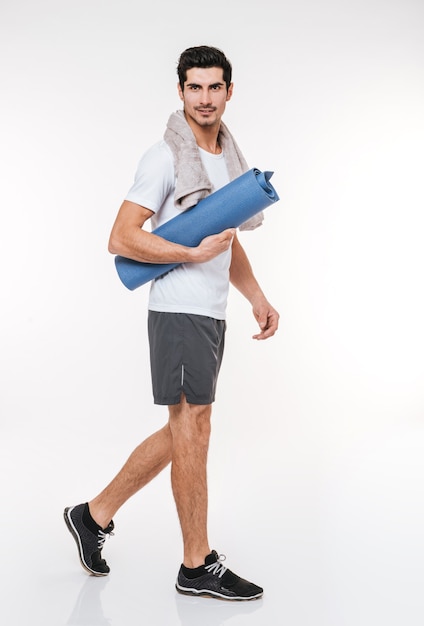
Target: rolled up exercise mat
[[228, 207]]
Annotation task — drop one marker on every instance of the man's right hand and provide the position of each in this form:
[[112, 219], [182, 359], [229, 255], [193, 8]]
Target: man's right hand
[[213, 245]]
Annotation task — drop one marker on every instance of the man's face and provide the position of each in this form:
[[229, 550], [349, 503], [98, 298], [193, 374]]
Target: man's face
[[205, 95]]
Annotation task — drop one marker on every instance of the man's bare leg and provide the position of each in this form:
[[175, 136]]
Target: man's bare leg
[[190, 428], [145, 462]]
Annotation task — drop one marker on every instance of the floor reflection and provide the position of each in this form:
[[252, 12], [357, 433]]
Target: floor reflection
[[211, 612], [88, 609]]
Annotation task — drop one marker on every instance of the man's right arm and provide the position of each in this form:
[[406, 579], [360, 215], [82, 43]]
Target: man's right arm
[[129, 239]]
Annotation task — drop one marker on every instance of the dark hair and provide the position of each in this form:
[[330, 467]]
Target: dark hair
[[203, 56]]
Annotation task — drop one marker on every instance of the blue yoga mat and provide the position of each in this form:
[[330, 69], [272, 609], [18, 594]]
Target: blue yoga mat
[[227, 207]]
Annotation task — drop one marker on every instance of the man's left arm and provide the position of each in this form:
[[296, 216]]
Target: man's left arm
[[243, 279]]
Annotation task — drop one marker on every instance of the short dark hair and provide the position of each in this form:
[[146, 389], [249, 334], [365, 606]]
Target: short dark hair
[[203, 56]]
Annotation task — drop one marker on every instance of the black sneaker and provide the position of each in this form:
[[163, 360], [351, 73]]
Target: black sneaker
[[213, 579], [89, 538]]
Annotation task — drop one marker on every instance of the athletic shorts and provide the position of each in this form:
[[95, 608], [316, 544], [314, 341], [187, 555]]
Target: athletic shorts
[[185, 356]]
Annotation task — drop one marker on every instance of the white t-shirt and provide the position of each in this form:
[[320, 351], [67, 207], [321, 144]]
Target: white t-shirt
[[198, 288]]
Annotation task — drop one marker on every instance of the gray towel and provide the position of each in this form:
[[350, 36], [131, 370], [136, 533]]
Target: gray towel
[[192, 182]]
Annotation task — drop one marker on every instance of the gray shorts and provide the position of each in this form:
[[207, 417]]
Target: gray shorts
[[185, 356]]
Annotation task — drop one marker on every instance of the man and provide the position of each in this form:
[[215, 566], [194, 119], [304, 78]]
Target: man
[[186, 323]]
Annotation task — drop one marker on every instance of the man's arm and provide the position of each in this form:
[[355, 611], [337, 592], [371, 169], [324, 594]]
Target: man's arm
[[130, 240], [242, 277]]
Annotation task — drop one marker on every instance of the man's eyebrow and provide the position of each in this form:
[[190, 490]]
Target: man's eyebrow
[[218, 84]]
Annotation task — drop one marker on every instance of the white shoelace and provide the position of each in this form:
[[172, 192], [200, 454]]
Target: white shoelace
[[102, 537], [217, 568]]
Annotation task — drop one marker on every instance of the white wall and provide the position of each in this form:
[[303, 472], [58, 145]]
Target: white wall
[[330, 96]]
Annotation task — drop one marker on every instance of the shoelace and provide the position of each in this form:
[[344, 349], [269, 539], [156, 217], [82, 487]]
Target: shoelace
[[217, 568], [101, 537]]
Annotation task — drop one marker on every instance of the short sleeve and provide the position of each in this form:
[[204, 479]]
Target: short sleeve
[[154, 179]]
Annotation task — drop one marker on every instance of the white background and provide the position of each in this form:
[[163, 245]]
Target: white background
[[316, 461]]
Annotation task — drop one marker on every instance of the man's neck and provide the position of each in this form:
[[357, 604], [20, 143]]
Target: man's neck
[[213, 148]]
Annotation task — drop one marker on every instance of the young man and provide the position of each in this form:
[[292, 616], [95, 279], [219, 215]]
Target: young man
[[186, 322]]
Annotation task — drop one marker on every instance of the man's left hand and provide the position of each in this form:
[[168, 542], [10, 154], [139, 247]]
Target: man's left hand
[[267, 318]]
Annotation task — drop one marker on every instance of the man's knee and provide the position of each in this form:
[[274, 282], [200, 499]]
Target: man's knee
[[190, 420]]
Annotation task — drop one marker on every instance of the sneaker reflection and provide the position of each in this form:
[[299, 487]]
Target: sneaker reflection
[[211, 611], [88, 610]]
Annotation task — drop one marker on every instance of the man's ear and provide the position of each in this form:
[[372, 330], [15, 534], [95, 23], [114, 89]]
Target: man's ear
[[230, 91], [180, 91]]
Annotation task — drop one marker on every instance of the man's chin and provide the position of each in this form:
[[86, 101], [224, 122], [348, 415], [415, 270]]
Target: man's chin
[[206, 120]]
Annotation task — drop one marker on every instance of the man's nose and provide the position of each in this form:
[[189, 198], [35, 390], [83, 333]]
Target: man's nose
[[205, 96]]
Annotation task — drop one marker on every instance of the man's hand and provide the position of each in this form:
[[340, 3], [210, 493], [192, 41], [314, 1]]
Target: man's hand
[[267, 318], [213, 245]]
